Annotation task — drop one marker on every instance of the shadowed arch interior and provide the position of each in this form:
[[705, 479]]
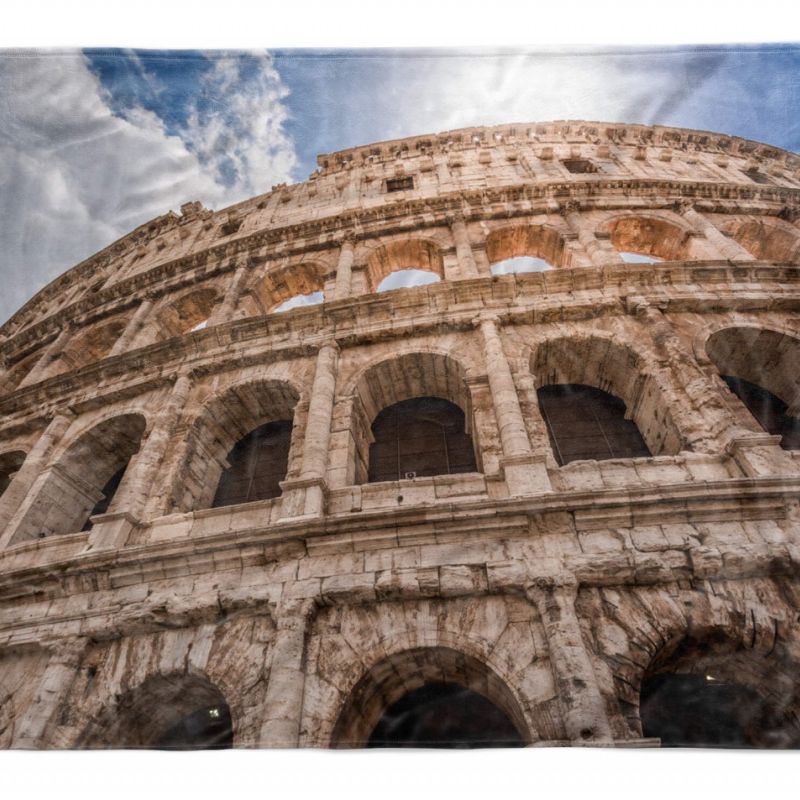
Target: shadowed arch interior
[[84, 480], [176, 712], [765, 239], [402, 378], [712, 692], [393, 700], [762, 368], [534, 241], [90, 345], [650, 236], [240, 412], [10, 463], [187, 312], [616, 370], [403, 254]]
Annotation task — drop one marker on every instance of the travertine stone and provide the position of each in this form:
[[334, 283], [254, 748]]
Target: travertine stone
[[555, 591]]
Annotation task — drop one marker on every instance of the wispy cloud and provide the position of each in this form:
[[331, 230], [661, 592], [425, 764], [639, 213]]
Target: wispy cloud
[[75, 173]]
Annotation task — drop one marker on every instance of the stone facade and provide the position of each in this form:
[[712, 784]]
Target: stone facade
[[553, 590]]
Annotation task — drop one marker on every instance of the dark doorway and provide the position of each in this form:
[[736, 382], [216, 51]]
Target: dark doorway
[[444, 715], [258, 464], [587, 423], [418, 438], [701, 711], [207, 728], [769, 411]]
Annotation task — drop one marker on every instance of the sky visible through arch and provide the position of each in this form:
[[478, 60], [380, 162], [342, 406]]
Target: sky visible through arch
[[94, 143]]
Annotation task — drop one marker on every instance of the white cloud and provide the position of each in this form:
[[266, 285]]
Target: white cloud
[[74, 177]]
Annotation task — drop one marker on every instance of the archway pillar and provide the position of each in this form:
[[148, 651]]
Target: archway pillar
[[344, 271], [224, 310], [135, 324], [27, 475], [583, 707], [31, 730], [761, 454], [111, 530], [599, 249], [466, 261], [525, 472], [307, 495], [51, 353], [283, 704], [727, 248]]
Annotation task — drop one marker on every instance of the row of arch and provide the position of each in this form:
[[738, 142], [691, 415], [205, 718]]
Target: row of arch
[[694, 694], [409, 262], [411, 416]]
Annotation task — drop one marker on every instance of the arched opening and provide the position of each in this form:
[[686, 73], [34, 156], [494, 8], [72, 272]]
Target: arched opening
[[258, 463], [286, 287], [165, 712], [762, 368], [444, 715], [9, 465], [420, 437], [85, 480], [649, 236], [711, 694], [766, 239], [16, 374], [412, 414], [598, 401], [407, 279], [239, 447], [298, 301], [586, 423], [89, 346], [431, 697], [188, 313], [524, 248], [404, 263]]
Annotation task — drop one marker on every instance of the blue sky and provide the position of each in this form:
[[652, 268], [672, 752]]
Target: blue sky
[[93, 143]]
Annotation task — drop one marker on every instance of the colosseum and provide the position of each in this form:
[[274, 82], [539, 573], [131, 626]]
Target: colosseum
[[215, 531]]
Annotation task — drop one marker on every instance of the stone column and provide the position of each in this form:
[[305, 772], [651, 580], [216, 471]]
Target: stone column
[[51, 353], [466, 261], [344, 271], [600, 251], [23, 481], [32, 726], [133, 327], [224, 311], [583, 707], [727, 248], [111, 530], [525, 474], [283, 704], [306, 496]]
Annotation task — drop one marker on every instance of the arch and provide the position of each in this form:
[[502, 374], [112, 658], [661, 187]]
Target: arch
[[187, 312], [649, 235], [84, 478], [616, 369], [585, 423], [766, 238], [181, 712], [10, 462], [540, 242], [407, 279], [396, 676], [399, 378], [707, 689], [16, 374], [403, 254], [225, 420], [419, 437], [761, 367], [286, 283], [90, 346]]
